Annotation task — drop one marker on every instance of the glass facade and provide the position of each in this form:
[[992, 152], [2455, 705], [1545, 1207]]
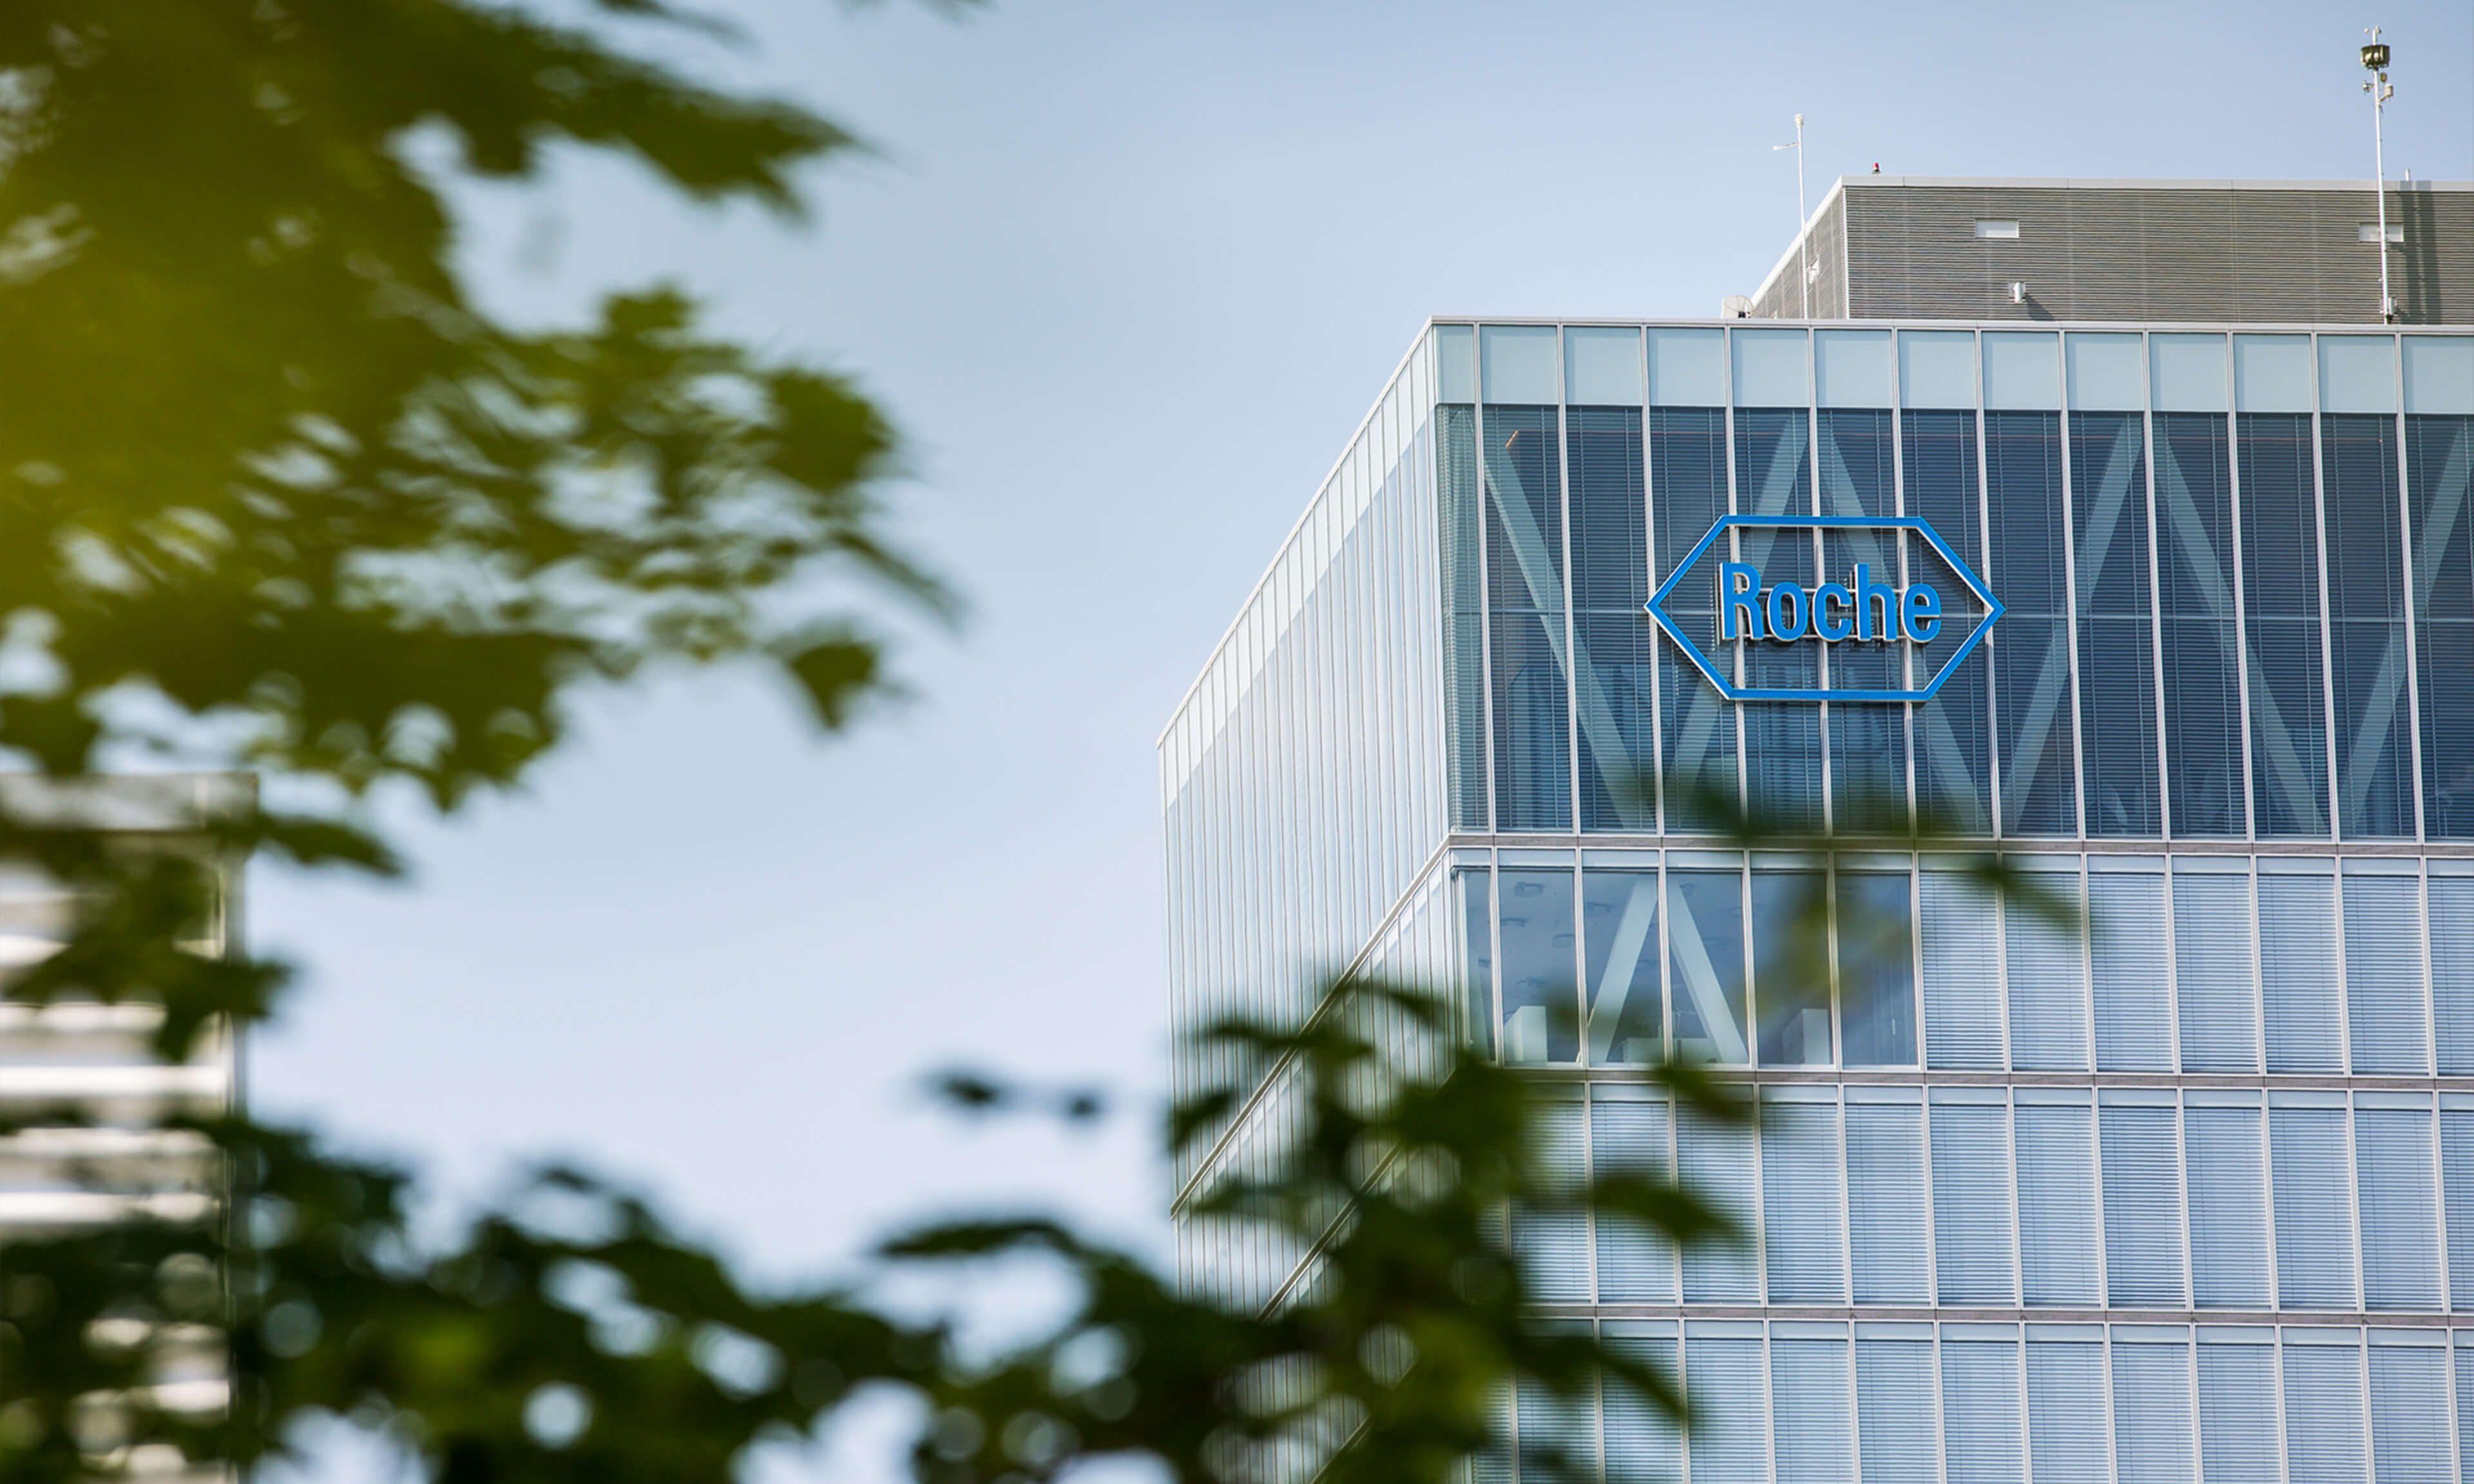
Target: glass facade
[[2187, 1192]]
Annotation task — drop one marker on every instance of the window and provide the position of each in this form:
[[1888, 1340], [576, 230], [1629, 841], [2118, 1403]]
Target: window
[[2368, 231], [2007, 228]]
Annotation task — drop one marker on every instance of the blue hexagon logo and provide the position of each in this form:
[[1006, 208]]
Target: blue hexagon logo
[[1742, 602]]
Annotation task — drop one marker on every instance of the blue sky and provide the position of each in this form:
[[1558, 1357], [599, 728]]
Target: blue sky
[[1126, 275]]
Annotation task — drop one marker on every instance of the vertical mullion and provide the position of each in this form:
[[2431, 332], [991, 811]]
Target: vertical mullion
[[2413, 652], [2241, 555], [1907, 653], [1734, 551], [1571, 624], [2164, 770], [1485, 587], [2066, 419], [2327, 629], [1820, 559], [1997, 756], [1659, 818]]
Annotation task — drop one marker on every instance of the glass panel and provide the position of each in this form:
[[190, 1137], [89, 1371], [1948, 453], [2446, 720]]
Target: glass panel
[[2323, 1413], [1688, 367], [1791, 966], [1716, 1160], [1602, 365], [1689, 476], [1954, 737], [2315, 1231], [1556, 1432], [1705, 935], [1464, 652], [2366, 609], [2384, 993], [1541, 993], [1979, 1410], [2143, 1207], [1532, 745], [1517, 362], [2118, 699], [1635, 1261], [2457, 1180], [2057, 1244], [2280, 534], [1477, 942], [1868, 742], [1876, 976], [1640, 1434], [1610, 590], [2031, 668], [1555, 1243], [2237, 1412], [2297, 960], [1885, 1202], [2048, 973], [2152, 1412], [2212, 949], [2228, 1221], [1894, 1409], [1802, 1226], [1782, 743], [2201, 657], [2400, 1212], [1729, 1442], [1971, 1178], [2410, 1442], [2452, 971], [1524, 557], [1962, 968], [2439, 469], [1619, 928], [2066, 1411], [2134, 1009]]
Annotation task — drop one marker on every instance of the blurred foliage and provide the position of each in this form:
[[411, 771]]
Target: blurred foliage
[[281, 494]]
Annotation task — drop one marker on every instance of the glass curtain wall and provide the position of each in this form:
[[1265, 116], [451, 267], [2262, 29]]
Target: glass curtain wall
[[2236, 608]]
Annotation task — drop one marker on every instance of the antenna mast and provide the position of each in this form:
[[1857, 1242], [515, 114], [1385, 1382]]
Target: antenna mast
[[2375, 57], [1803, 242]]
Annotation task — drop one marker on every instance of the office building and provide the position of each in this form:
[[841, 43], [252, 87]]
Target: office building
[[2183, 1191]]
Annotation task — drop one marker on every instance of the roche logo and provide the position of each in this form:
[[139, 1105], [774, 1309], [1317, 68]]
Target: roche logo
[[1866, 609]]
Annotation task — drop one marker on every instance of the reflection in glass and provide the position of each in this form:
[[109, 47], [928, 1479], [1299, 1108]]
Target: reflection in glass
[[1689, 485], [1705, 935], [1868, 740], [2367, 656], [2032, 657], [1541, 999], [1524, 553], [1612, 626], [1782, 743], [1620, 932], [1791, 966], [2118, 677], [2440, 473], [2195, 568], [2280, 546], [1953, 736]]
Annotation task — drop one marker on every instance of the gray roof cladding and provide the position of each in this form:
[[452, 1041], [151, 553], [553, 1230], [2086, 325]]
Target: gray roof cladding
[[2094, 250]]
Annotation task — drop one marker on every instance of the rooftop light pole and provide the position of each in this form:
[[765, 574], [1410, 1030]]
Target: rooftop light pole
[[2375, 57], [1803, 247]]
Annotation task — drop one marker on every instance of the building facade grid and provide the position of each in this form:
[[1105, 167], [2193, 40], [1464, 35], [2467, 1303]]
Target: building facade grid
[[2185, 1193]]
